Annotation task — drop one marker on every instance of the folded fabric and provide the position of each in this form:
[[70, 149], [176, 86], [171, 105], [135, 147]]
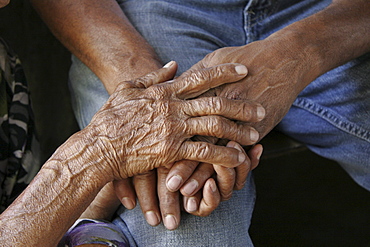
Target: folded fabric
[[19, 147]]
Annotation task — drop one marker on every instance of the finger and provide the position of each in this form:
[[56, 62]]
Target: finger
[[243, 170], [210, 153], [255, 155], [125, 192], [145, 186], [104, 205], [204, 203], [226, 178], [169, 201], [197, 180], [179, 173], [229, 179], [222, 128], [167, 72], [191, 203], [233, 109], [195, 82]]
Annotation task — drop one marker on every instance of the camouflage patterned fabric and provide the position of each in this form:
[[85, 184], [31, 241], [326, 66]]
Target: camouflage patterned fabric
[[19, 149]]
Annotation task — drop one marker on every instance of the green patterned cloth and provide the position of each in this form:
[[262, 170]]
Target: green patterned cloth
[[19, 149]]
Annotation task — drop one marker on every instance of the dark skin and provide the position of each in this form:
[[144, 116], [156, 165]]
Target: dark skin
[[280, 67], [138, 129]]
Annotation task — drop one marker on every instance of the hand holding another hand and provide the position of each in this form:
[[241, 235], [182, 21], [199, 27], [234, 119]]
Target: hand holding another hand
[[139, 129], [220, 127]]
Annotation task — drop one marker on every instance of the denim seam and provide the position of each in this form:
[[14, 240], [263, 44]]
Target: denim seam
[[255, 13], [247, 22], [333, 118]]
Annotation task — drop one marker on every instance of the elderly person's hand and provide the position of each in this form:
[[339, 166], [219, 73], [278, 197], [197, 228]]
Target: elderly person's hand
[[160, 133], [137, 130], [228, 179]]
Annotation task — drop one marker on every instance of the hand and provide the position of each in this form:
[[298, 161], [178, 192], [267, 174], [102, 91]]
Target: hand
[[275, 77], [192, 181], [131, 196], [109, 198], [275, 89]]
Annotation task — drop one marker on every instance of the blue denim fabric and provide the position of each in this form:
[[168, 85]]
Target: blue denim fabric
[[227, 226], [331, 116]]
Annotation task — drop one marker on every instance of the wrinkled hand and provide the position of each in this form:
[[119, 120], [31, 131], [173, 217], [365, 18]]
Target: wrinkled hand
[[178, 114]]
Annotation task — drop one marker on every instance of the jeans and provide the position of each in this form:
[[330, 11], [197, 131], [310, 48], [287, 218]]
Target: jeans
[[331, 115]]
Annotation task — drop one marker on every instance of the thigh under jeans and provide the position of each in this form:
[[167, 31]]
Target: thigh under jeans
[[331, 116]]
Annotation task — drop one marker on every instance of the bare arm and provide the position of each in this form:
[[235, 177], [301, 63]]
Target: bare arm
[[54, 199], [100, 35], [137, 130], [283, 64], [334, 36]]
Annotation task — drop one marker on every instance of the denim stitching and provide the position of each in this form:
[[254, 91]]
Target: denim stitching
[[333, 118]]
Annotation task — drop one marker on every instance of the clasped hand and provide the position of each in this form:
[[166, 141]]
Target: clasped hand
[[161, 134]]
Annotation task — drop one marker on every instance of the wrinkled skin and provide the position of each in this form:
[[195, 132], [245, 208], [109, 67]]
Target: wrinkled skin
[[277, 73], [275, 78], [164, 113], [121, 54], [316, 44], [141, 127], [206, 198]]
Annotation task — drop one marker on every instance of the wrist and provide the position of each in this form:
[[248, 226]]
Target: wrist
[[81, 157], [296, 46], [130, 66]]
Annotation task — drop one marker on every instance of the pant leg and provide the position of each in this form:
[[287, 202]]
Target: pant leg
[[332, 116], [227, 226]]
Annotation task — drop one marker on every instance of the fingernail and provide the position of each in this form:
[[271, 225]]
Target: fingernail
[[241, 69], [259, 154], [212, 185], [170, 222], [128, 203], [241, 157], [191, 204], [169, 64], [190, 187], [174, 183], [254, 135], [260, 112], [152, 218]]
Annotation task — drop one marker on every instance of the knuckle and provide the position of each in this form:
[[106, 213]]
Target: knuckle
[[199, 76], [157, 91], [217, 104], [143, 82], [247, 112], [203, 151], [217, 125], [226, 196], [239, 185], [234, 93]]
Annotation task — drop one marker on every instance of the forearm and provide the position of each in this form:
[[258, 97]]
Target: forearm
[[100, 35], [64, 187], [329, 38]]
